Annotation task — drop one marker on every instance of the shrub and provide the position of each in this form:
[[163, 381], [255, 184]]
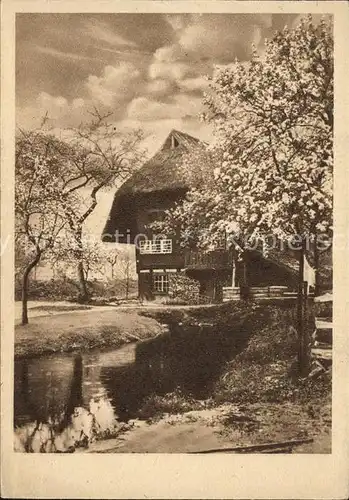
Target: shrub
[[155, 406], [264, 370], [275, 340], [49, 290], [67, 289], [324, 309], [183, 290]]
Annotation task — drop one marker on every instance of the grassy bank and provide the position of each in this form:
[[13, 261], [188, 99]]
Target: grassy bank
[[261, 396], [68, 328], [265, 369], [82, 330], [252, 394]]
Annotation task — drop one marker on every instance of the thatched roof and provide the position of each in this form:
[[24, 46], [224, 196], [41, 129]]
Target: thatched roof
[[158, 177], [162, 171]]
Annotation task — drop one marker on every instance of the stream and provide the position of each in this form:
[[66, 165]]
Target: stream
[[64, 400], [48, 386]]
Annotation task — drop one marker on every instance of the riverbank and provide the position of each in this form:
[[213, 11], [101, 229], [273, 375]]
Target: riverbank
[[257, 399], [227, 427], [66, 327], [82, 330], [207, 378]]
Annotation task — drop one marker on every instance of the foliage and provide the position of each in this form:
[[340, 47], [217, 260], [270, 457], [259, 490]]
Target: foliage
[[270, 168], [96, 157], [324, 309], [156, 406], [39, 217], [183, 289], [261, 371], [65, 254], [64, 288], [265, 370], [57, 186]]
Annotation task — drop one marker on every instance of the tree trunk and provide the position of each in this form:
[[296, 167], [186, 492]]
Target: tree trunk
[[233, 269], [244, 286], [25, 283], [303, 347], [127, 285], [316, 268], [83, 295], [25, 288]]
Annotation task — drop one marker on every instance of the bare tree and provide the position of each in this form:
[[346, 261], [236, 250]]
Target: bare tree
[[127, 270], [97, 157], [111, 257]]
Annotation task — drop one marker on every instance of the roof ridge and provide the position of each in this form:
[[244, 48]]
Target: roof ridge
[[180, 132], [182, 136]]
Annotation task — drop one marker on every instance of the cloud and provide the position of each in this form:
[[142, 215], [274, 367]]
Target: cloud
[[201, 43], [125, 52], [214, 38], [169, 53], [177, 21], [116, 82], [102, 32], [159, 87], [221, 37], [116, 86], [58, 109], [191, 84], [63, 55], [145, 108], [168, 70]]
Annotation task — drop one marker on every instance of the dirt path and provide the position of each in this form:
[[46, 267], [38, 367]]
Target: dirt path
[[224, 427], [38, 308]]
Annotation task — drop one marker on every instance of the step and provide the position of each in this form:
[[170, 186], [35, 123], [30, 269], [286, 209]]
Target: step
[[327, 297], [323, 354], [322, 324], [323, 336]]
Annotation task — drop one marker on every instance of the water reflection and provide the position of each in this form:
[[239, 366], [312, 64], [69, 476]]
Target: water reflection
[[66, 401], [190, 358], [61, 403]]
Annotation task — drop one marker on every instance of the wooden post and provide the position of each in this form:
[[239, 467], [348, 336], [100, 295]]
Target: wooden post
[[306, 322], [233, 274], [303, 347], [244, 286], [316, 266], [300, 308]]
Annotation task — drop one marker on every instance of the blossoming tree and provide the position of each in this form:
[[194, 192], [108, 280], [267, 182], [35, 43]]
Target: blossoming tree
[[57, 187], [38, 211], [270, 168], [97, 156]]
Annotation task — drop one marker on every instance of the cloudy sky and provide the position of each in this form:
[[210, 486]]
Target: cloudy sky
[[148, 69]]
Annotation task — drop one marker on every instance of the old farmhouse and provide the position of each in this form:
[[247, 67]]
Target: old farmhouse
[[145, 197]]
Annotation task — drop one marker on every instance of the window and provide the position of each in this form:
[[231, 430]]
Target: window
[[160, 283], [155, 246]]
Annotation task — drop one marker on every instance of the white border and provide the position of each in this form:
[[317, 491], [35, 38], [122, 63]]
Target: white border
[[172, 475]]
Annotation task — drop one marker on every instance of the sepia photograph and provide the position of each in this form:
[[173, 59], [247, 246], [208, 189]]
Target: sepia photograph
[[174, 237], [173, 225]]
